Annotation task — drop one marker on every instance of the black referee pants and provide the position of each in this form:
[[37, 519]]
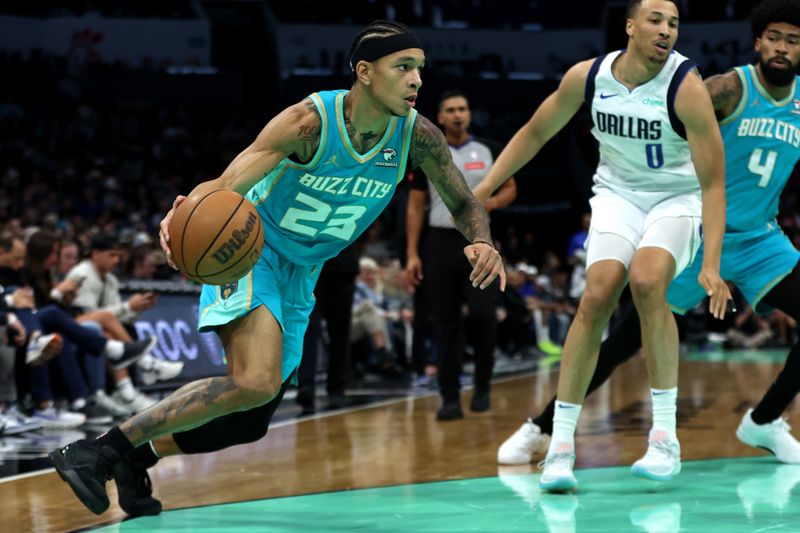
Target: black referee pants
[[446, 271]]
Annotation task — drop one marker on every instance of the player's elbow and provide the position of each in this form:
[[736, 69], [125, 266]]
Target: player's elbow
[[712, 185]]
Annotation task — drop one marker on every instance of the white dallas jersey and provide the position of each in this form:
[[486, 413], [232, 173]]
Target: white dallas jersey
[[643, 149]]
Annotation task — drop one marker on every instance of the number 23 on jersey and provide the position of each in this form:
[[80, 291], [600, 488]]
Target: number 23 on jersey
[[320, 218]]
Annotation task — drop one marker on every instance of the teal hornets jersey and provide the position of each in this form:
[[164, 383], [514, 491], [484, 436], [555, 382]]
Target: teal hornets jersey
[[762, 146], [312, 211]]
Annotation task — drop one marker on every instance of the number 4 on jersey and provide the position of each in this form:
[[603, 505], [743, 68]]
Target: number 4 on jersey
[[764, 170]]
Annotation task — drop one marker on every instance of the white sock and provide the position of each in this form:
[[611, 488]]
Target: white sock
[[114, 349], [565, 419], [126, 390], [665, 404]]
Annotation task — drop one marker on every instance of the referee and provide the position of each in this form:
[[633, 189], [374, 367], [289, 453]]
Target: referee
[[447, 277]]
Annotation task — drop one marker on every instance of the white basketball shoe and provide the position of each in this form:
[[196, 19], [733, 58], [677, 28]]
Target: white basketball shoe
[[773, 437], [556, 468], [519, 448], [662, 460]]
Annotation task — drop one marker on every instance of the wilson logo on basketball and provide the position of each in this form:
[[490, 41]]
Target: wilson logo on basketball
[[238, 238]]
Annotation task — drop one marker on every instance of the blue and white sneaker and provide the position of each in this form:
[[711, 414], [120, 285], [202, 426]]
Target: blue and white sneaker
[[52, 418], [662, 460], [16, 422], [556, 468]]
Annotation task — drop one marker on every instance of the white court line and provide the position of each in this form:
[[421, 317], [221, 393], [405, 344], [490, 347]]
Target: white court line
[[319, 416], [27, 474]]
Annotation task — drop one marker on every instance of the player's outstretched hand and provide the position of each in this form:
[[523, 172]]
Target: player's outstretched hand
[[163, 233], [717, 290], [486, 265]]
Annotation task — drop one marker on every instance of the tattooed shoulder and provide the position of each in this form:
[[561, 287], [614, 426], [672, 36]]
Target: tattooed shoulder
[[308, 126], [428, 143], [726, 91]]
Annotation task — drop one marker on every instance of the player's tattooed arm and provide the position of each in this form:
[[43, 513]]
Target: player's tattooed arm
[[293, 132], [308, 133], [429, 151], [726, 92]]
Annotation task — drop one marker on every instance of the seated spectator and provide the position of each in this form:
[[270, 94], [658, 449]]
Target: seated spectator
[[99, 291], [370, 323], [42, 254], [12, 336], [68, 256], [144, 262], [40, 348]]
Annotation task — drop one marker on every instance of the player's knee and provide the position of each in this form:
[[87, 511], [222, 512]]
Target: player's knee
[[596, 305], [254, 391], [647, 288]]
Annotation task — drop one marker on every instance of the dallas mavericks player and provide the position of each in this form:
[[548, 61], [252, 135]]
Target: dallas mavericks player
[[757, 107], [319, 172], [656, 128]]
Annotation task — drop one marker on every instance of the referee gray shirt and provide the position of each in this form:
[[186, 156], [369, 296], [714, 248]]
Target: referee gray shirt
[[474, 159]]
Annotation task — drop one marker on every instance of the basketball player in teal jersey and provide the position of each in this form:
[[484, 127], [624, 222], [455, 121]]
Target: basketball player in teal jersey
[[758, 112], [319, 173], [660, 150]]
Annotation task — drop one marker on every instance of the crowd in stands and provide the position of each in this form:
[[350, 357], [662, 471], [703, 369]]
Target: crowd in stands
[[68, 350]]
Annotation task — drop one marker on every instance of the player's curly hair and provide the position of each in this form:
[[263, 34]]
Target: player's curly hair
[[377, 29], [770, 11], [633, 5]]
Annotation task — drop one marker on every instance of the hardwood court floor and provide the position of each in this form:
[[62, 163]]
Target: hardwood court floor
[[401, 443]]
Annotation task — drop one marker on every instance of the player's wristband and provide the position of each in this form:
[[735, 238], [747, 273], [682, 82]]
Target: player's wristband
[[483, 242]]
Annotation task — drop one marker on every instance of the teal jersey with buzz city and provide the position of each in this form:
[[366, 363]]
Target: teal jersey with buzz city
[[312, 211], [762, 146]]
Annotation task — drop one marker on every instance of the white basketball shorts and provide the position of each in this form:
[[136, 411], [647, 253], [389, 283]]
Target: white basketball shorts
[[619, 228]]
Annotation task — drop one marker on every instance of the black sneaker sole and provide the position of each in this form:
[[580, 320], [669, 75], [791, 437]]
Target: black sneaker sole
[[151, 509], [70, 476]]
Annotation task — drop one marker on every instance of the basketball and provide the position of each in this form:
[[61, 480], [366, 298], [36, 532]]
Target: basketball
[[216, 237]]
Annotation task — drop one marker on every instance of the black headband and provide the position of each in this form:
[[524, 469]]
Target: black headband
[[377, 47]]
